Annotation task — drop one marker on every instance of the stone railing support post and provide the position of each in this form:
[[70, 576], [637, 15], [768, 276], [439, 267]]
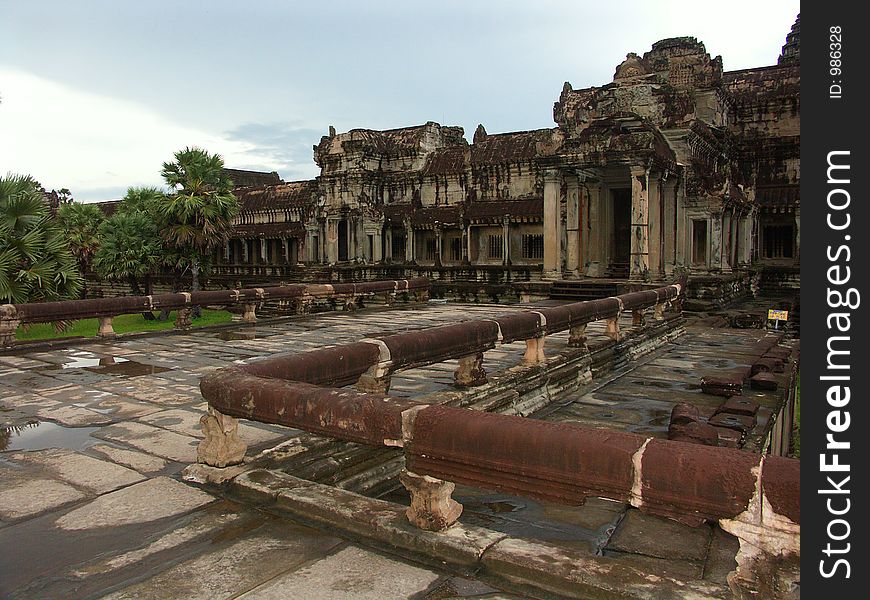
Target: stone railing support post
[[534, 351], [106, 329], [432, 508], [221, 446], [183, 319], [303, 305], [9, 323], [577, 336], [637, 318], [659, 312], [250, 314], [612, 330], [376, 380], [470, 371]]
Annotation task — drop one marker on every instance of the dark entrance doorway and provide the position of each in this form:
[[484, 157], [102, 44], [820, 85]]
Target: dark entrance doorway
[[621, 249], [342, 240]]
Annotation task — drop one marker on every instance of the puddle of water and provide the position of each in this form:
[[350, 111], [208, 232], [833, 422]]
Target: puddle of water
[[79, 362], [128, 368], [107, 365], [44, 434]]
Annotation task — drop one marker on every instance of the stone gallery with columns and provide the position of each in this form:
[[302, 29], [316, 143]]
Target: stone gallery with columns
[[675, 168]]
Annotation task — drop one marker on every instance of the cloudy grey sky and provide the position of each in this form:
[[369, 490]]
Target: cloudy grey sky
[[95, 95]]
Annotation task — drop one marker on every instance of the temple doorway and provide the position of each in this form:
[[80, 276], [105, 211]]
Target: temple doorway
[[342, 240], [621, 248]]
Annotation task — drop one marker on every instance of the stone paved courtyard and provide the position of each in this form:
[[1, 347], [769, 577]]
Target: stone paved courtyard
[[97, 433]]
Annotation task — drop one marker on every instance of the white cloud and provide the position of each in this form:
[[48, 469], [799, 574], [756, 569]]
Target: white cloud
[[86, 142]]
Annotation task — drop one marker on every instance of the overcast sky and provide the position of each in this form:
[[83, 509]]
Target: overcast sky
[[95, 95]]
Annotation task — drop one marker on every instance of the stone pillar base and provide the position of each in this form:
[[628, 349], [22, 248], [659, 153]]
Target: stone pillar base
[[637, 318], [9, 323], [250, 315], [183, 319], [577, 336], [612, 330], [551, 275], [221, 446], [659, 312], [432, 508], [106, 329], [370, 384], [470, 371], [534, 351]]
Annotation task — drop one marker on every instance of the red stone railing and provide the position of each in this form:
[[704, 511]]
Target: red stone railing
[[752, 496], [302, 296]]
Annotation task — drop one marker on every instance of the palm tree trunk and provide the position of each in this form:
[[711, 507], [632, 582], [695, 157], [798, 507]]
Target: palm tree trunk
[[194, 285]]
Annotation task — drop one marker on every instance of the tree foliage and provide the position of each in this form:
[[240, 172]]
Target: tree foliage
[[130, 249], [197, 215], [35, 260], [81, 223]]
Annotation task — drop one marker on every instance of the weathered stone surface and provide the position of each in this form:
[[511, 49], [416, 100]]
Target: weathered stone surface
[[385, 523], [352, 573], [96, 476], [574, 575], [221, 445], [431, 508], [154, 440], [235, 568], [144, 463], [661, 538], [25, 497], [147, 501]]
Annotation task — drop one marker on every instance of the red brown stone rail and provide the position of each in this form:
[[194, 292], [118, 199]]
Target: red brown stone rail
[[105, 309], [754, 497]]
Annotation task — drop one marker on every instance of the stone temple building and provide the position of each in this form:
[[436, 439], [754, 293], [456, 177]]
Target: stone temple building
[[676, 167]]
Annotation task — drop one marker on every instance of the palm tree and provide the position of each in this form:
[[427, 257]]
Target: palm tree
[[81, 223], [35, 260], [198, 214], [143, 200], [130, 249]]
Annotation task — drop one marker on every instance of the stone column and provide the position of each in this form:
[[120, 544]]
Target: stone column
[[656, 227], [744, 240], [409, 242], [330, 254], [506, 236], [572, 263], [596, 255], [438, 244], [732, 253], [263, 259], [388, 243], [715, 241], [669, 232], [797, 235], [639, 224], [684, 230], [377, 246], [726, 241], [466, 241], [552, 225]]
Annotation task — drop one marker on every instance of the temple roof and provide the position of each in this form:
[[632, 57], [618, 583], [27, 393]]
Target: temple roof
[[509, 147], [285, 195], [245, 178]]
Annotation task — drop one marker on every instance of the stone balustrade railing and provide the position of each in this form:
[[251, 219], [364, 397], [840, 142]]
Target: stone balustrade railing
[[752, 496], [105, 309]]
